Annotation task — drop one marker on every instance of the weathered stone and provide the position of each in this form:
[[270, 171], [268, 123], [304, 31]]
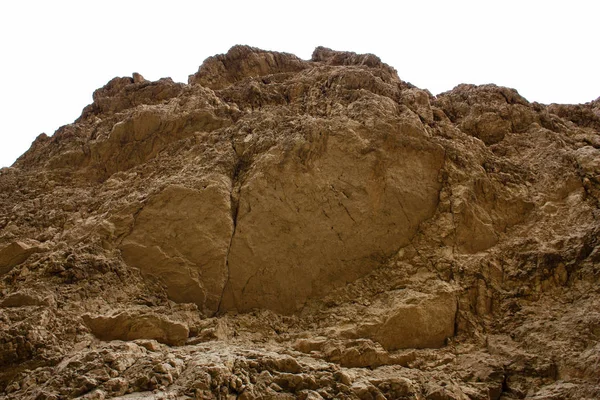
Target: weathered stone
[[303, 229], [326, 213], [406, 319], [138, 78], [25, 298], [426, 323], [489, 127], [243, 61], [588, 159], [182, 237], [16, 253], [130, 326]]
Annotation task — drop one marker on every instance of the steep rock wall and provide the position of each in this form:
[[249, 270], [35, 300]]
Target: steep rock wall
[[286, 228]]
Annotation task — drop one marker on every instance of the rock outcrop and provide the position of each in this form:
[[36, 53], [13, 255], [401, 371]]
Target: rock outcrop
[[125, 326], [287, 228], [16, 253]]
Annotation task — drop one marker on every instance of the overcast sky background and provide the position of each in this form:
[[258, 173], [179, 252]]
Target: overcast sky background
[[54, 54]]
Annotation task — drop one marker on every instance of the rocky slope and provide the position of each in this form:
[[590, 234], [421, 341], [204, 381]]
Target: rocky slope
[[282, 228]]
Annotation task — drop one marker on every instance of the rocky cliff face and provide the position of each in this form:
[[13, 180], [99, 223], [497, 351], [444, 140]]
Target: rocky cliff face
[[282, 228]]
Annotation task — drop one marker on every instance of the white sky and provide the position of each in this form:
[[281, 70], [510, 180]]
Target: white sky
[[54, 54]]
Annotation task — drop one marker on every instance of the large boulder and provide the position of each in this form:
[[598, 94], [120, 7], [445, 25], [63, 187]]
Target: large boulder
[[131, 326], [327, 212], [182, 237]]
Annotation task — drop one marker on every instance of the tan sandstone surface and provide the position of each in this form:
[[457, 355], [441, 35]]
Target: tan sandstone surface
[[281, 228]]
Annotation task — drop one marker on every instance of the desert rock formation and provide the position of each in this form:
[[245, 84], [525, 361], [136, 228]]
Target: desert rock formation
[[283, 228]]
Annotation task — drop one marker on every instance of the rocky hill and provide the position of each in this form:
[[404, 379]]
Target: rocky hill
[[281, 228]]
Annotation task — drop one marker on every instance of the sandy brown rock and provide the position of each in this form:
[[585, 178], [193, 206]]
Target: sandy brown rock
[[26, 298], [313, 229], [188, 257], [429, 322], [337, 204], [487, 112], [16, 253], [241, 62], [128, 326]]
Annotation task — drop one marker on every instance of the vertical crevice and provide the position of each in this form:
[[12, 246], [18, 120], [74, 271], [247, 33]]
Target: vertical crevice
[[234, 198]]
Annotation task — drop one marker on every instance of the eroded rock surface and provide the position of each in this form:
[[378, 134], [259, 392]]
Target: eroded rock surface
[[182, 236], [327, 213], [287, 228], [15, 253], [127, 326]]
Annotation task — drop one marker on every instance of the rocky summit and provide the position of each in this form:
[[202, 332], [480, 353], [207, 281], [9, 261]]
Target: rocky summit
[[287, 229]]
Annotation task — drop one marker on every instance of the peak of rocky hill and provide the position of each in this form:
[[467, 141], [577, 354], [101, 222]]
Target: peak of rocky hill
[[287, 228]]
